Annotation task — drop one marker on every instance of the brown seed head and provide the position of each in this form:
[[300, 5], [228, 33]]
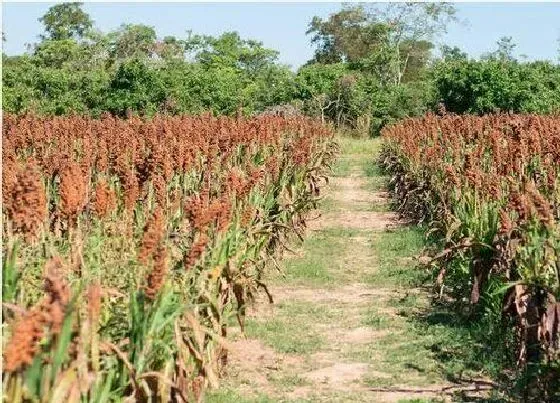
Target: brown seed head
[[73, 191], [196, 251], [153, 235], [30, 328], [57, 293], [28, 203], [27, 331], [156, 278], [105, 199]]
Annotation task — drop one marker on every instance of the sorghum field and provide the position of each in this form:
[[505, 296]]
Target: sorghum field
[[131, 245], [489, 189], [138, 250], [356, 203]]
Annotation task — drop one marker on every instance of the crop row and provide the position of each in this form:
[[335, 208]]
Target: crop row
[[489, 186], [131, 245]]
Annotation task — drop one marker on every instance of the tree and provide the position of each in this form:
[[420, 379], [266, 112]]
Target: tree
[[316, 86], [274, 85], [135, 88], [170, 48], [346, 36], [132, 41], [387, 41], [449, 53], [418, 54], [66, 21], [505, 49], [229, 50], [486, 86], [386, 52], [18, 84], [504, 52], [57, 53], [415, 24]]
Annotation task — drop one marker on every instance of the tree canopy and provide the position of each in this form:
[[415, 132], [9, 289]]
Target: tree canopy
[[66, 21]]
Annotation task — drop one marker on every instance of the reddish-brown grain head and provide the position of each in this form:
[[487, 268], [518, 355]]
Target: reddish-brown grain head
[[28, 203]]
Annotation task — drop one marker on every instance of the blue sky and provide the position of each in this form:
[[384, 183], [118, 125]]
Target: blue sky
[[535, 27]]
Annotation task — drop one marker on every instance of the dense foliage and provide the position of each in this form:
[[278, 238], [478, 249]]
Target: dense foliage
[[130, 245], [489, 86], [227, 73], [490, 188]]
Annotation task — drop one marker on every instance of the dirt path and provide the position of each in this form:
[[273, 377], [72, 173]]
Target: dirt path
[[340, 329]]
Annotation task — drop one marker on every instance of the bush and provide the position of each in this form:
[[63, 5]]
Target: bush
[[135, 87], [486, 86]]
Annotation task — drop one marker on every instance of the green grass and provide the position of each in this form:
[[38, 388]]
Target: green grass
[[461, 345], [379, 208], [287, 382], [407, 301], [427, 342], [405, 365], [379, 381], [417, 351], [284, 337], [431, 340], [308, 271], [308, 310], [356, 153], [315, 267], [230, 395], [437, 338], [377, 180], [396, 251], [402, 355], [376, 320], [372, 170], [341, 168], [289, 331], [328, 204], [365, 146]]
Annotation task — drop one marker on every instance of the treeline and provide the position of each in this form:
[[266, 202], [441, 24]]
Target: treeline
[[76, 69], [371, 66]]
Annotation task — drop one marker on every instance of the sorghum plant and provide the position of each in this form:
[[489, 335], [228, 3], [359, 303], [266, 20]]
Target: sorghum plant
[[491, 186], [160, 230]]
